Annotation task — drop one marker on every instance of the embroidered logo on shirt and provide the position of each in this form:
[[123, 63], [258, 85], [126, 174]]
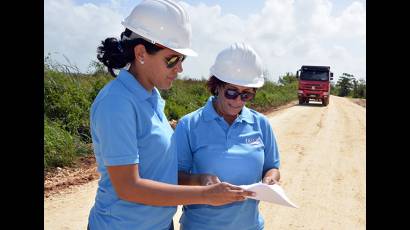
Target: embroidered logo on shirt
[[253, 140]]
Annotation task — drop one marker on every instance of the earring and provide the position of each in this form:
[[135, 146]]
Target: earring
[[142, 62]]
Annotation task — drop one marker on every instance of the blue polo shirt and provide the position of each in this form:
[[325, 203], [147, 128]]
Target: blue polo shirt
[[128, 126], [237, 154]]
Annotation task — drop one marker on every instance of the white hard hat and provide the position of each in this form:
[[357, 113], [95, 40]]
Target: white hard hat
[[164, 22], [240, 65]]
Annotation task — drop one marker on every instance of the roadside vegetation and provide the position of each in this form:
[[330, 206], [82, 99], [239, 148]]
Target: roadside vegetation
[[68, 96], [348, 86]]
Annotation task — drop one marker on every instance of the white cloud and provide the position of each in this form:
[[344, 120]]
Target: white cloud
[[76, 30], [353, 21], [285, 33]]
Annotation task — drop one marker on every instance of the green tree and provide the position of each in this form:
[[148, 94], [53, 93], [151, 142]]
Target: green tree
[[359, 88], [345, 84], [289, 78]]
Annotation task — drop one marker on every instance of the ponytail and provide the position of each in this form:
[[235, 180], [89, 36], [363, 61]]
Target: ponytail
[[111, 54], [116, 54]]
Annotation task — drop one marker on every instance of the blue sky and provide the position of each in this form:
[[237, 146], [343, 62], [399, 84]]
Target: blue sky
[[285, 33]]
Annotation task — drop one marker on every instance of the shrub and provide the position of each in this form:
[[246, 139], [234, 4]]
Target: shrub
[[184, 97], [68, 98], [59, 145]]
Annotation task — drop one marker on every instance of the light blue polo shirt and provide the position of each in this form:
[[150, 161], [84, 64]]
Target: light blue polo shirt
[[128, 126], [238, 154]]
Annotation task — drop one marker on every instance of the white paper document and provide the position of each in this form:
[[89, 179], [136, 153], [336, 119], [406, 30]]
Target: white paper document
[[270, 193]]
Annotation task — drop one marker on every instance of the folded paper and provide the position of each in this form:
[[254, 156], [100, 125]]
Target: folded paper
[[270, 193]]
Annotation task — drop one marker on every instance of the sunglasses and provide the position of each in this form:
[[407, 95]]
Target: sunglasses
[[232, 94], [173, 60]]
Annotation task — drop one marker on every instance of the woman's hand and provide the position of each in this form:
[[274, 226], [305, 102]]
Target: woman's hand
[[272, 176], [270, 180], [224, 193]]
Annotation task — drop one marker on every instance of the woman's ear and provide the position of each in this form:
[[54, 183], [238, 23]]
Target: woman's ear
[[139, 53]]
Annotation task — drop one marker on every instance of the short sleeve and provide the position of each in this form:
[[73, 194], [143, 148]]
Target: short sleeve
[[271, 148], [116, 131], [183, 147]]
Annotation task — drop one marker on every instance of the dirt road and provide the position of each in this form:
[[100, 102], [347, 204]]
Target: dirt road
[[323, 171]]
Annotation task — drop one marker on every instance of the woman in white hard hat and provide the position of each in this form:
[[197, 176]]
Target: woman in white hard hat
[[226, 141], [130, 133]]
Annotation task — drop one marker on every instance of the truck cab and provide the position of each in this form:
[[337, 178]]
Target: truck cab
[[314, 84]]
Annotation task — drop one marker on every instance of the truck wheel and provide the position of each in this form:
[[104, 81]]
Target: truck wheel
[[325, 102], [301, 101]]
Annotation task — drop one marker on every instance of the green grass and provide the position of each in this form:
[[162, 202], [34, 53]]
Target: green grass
[[67, 101], [68, 98], [60, 147], [273, 95], [184, 97]]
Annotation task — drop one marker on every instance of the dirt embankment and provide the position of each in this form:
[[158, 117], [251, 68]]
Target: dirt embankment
[[60, 179], [359, 101]]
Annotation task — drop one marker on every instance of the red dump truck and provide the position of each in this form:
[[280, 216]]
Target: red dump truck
[[314, 84]]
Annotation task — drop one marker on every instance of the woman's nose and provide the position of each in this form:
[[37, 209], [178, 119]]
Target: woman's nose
[[239, 100], [178, 67]]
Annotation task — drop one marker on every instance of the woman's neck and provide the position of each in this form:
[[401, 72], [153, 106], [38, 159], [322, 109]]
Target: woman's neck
[[140, 77]]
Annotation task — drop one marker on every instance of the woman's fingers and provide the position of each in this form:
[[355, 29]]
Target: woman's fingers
[[270, 181], [245, 193], [225, 193], [241, 191]]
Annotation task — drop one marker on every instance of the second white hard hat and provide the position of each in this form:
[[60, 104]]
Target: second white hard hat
[[239, 64], [164, 22]]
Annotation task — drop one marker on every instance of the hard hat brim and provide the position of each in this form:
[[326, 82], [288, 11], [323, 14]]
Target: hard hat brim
[[186, 52], [250, 85], [254, 85], [231, 80]]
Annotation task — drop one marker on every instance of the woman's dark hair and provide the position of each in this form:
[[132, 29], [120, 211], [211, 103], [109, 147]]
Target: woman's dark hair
[[213, 83], [115, 54]]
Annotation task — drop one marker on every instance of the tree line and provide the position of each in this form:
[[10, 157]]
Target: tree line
[[348, 85]]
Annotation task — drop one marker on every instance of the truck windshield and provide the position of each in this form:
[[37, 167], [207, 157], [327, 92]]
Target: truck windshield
[[314, 75]]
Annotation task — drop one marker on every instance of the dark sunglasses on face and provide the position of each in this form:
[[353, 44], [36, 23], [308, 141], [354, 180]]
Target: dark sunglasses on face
[[172, 61], [232, 94]]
